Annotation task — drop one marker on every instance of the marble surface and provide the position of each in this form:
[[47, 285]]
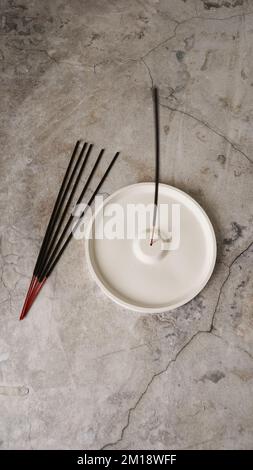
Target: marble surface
[[81, 372]]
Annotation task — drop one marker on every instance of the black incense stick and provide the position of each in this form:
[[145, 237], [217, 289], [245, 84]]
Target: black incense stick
[[60, 199], [49, 254], [71, 217], [157, 161], [52, 220], [63, 215], [47, 274], [54, 258], [61, 202]]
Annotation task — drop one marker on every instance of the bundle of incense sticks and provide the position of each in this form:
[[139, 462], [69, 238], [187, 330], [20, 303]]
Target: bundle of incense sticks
[[59, 233]]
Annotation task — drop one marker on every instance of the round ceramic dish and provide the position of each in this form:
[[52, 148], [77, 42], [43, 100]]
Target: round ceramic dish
[[151, 279]]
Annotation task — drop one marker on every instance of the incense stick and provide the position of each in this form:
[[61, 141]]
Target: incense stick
[[60, 222], [71, 217], [49, 271], [56, 255], [52, 221], [157, 151], [48, 251]]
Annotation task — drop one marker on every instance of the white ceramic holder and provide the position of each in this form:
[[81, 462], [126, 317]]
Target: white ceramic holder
[[153, 279]]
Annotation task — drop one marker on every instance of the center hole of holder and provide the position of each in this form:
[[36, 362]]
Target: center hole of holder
[[147, 253]]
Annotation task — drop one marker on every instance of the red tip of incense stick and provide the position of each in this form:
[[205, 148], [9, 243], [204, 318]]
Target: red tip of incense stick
[[36, 289], [33, 280], [23, 313]]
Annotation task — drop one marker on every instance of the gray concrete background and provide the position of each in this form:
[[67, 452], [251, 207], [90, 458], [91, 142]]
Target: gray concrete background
[[80, 372]]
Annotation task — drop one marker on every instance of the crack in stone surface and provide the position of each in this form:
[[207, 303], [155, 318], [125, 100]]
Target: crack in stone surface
[[188, 114], [201, 121], [149, 72], [155, 47], [206, 124], [197, 17], [165, 369]]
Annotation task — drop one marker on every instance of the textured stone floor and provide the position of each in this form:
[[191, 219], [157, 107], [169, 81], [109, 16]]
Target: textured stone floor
[[81, 372]]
